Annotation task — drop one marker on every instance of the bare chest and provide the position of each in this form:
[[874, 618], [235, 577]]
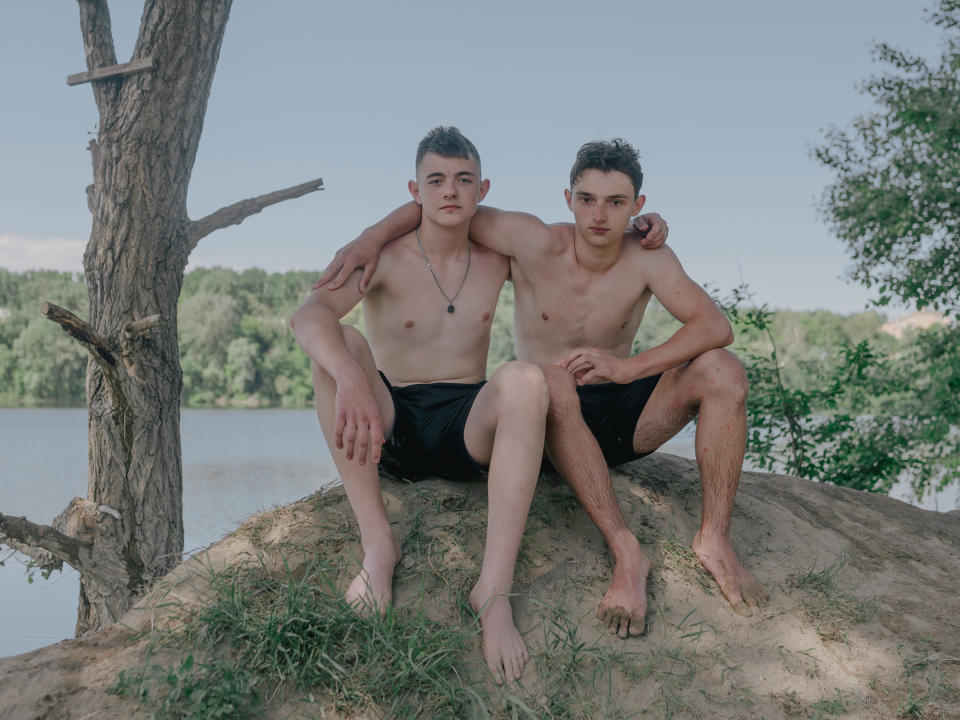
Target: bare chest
[[423, 331], [559, 308]]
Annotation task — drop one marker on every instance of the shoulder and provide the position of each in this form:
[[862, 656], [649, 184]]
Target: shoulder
[[395, 260], [488, 256], [560, 237], [658, 258]]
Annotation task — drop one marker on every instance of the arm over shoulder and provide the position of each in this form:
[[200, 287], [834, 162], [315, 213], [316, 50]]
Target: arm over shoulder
[[508, 232]]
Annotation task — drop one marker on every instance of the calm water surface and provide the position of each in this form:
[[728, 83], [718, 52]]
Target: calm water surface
[[235, 463]]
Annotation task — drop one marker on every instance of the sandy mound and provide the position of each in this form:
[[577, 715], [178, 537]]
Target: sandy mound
[[864, 618]]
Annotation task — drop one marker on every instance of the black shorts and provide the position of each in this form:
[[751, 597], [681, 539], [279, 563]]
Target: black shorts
[[611, 412], [427, 436]]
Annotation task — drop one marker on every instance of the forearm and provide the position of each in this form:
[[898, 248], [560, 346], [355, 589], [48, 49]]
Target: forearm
[[691, 340], [399, 222]]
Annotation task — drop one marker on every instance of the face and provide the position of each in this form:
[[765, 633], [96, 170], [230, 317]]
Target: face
[[602, 205], [448, 189]]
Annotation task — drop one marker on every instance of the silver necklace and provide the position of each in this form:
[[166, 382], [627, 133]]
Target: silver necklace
[[450, 307]]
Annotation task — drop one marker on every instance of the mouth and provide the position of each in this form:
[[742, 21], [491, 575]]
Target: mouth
[[449, 207], [597, 230]]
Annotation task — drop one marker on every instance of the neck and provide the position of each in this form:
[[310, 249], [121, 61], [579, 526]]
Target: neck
[[593, 257], [441, 240]]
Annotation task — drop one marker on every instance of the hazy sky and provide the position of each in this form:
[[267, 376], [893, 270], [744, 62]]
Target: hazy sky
[[724, 101]]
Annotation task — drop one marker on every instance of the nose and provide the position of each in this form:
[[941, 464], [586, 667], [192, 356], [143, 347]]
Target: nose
[[450, 189], [599, 213]]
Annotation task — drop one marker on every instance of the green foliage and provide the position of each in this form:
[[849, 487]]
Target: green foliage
[[895, 202], [295, 634], [864, 414], [39, 364], [501, 334]]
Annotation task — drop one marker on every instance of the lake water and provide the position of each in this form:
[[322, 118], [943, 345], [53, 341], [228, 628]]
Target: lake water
[[235, 463]]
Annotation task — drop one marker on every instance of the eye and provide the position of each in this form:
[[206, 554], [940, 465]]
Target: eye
[[434, 181], [617, 203], [466, 180]]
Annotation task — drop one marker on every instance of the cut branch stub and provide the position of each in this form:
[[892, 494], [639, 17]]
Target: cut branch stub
[[138, 327], [238, 212]]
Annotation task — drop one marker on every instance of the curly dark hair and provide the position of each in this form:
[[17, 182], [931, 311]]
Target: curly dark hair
[[447, 141], [617, 154]]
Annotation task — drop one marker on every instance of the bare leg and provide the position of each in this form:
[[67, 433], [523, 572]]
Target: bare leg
[[373, 586], [714, 384], [505, 429], [574, 452]]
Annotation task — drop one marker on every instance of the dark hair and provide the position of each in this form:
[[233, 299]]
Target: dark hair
[[617, 155], [449, 142]]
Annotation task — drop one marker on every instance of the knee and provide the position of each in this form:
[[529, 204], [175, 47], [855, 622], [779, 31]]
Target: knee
[[521, 385], [563, 392], [721, 373]]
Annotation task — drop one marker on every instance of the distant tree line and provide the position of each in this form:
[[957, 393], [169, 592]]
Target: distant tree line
[[237, 350]]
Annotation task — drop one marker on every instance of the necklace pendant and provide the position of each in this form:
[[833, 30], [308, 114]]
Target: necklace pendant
[[450, 308]]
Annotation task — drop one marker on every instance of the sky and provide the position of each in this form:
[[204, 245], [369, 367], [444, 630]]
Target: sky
[[723, 100]]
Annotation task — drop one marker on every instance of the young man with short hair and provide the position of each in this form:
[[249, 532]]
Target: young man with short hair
[[419, 383], [580, 294]]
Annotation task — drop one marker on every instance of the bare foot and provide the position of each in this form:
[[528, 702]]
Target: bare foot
[[503, 647], [624, 607], [372, 588], [737, 585]]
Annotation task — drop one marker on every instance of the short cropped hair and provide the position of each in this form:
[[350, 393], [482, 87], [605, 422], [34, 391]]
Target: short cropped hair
[[448, 142], [617, 154]]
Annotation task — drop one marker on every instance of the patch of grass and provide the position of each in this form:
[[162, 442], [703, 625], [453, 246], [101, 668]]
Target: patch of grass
[[262, 637], [830, 707], [789, 701], [681, 558], [831, 615], [830, 611], [810, 578]]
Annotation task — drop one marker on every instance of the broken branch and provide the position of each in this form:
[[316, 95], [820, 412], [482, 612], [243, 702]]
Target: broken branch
[[40, 542], [240, 211], [101, 348]]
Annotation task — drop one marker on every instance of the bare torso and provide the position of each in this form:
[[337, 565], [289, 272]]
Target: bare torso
[[560, 305], [413, 337]]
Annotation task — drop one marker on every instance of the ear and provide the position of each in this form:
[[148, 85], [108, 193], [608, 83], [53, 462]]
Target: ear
[[415, 191], [484, 189], [641, 199], [569, 196]]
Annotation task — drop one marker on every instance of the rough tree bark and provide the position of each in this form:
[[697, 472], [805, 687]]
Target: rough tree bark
[[129, 531]]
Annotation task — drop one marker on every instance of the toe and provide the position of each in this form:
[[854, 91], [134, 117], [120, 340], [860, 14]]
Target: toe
[[624, 627], [741, 608], [637, 625]]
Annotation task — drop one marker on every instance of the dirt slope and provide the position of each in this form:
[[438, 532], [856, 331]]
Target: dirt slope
[[864, 619]]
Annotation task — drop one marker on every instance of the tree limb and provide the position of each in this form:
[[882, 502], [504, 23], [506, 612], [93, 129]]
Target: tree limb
[[98, 47], [240, 211], [100, 347], [39, 541]]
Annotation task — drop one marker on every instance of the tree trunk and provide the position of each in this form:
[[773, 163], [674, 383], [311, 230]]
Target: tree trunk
[[129, 529], [149, 132]]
